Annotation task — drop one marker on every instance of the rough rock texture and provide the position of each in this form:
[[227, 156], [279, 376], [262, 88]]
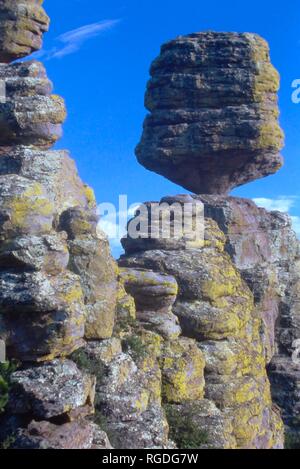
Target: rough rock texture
[[90, 259], [215, 307], [73, 435], [171, 348], [22, 24], [129, 390], [213, 122], [204, 421], [30, 115], [265, 249], [154, 297], [50, 390], [58, 282]]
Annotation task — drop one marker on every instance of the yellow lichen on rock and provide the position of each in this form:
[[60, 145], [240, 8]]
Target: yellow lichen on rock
[[182, 364]]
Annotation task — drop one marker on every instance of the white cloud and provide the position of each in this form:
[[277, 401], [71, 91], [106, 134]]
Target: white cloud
[[281, 204], [114, 225], [71, 41]]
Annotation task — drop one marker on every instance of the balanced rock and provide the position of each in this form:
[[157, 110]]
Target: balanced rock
[[22, 25], [213, 122]]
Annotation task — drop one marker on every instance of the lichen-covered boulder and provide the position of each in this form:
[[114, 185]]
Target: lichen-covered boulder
[[25, 208], [213, 122], [42, 316], [212, 304], [154, 295], [22, 25], [53, 389], [90, 258], [81, 434], [182, 364], [150, 290], [54, 170], [30, 114], [34, 253]]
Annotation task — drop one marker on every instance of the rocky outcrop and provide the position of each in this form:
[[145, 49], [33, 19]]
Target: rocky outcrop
[[176, 346], [217, 312], [263, 247], [213, 122], [58, 282], [284, 369], [73, 435], [213, 125]]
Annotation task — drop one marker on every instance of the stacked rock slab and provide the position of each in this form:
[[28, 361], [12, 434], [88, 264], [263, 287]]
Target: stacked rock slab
[[213, 122], [172, 348], [216, 311], [213, 125], [52, 262]]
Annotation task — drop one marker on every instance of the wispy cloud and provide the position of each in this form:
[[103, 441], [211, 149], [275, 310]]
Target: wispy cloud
[[281, 204], [71, 41]]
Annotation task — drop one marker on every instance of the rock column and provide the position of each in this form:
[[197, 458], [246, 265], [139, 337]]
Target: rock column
[[58, 282], [212, 126]]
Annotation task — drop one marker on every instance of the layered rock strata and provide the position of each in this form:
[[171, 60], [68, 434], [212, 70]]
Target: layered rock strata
[[22, 25], [213, 122], [216, 310], [176, 347], [58, 282], [213, 125]]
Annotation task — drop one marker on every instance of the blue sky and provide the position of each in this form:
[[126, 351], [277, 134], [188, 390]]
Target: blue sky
[[98, 55]]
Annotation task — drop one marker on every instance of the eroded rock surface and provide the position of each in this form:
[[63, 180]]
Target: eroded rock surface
[[22, 24], [213, 122], [216, 309], [58, 282], [171, 348]]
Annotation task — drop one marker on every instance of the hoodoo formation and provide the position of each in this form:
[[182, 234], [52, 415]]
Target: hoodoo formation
[[183, 333], [213, 122]]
